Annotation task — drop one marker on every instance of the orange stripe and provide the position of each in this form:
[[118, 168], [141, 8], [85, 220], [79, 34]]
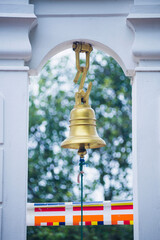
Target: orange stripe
[[121, 217], [40, 219], [87, 218]]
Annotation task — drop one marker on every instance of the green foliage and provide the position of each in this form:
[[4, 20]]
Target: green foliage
[[73, 233], [52, 170]]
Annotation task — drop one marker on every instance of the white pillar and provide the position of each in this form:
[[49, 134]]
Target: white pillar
[[16, 20], [144, 20], [146, 152], [13, 150]]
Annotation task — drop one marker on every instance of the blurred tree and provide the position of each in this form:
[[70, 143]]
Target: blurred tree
[[52, 169]]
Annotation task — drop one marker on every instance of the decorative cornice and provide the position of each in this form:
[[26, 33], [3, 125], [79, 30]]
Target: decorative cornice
[[14, 68], [83, 8], [146, 27], [16, 21], [147, 69]]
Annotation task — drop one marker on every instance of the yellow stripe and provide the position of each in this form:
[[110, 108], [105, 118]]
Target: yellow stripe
[[101, 205], [131, 222], [94, 223], [121, 204], [55, 223]]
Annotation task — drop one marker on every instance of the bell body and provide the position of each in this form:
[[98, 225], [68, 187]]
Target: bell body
[[83, 129]]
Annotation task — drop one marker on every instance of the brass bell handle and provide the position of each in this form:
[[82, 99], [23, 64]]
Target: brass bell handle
[[79, 47]]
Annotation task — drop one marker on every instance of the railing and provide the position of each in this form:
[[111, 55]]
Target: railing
[[69, 214]]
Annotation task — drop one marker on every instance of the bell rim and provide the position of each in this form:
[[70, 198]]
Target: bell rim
[[74, 143]]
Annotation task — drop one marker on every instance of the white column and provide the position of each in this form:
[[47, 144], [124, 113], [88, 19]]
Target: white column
[[13, 150], [144, 20], [146, 151], [16, 20]]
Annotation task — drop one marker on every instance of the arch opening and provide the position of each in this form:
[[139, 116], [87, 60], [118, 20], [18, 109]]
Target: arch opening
[[49, 178], [68, 44], [101, 74]]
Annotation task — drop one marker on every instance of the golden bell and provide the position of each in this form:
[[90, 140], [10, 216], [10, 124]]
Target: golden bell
[[83, 132], [83, 129]]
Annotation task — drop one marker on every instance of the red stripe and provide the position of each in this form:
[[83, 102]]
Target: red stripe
[[52, 209], [87, 208], [121, 207], [87, 223], [126, 222], [49, 223]]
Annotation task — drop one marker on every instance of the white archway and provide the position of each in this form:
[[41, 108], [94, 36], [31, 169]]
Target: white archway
[[129, 31]]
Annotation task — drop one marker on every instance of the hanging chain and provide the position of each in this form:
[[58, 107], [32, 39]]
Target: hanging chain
[[81, 96]]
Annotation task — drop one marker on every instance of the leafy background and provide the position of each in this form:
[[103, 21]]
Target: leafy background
[[53, 170]]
